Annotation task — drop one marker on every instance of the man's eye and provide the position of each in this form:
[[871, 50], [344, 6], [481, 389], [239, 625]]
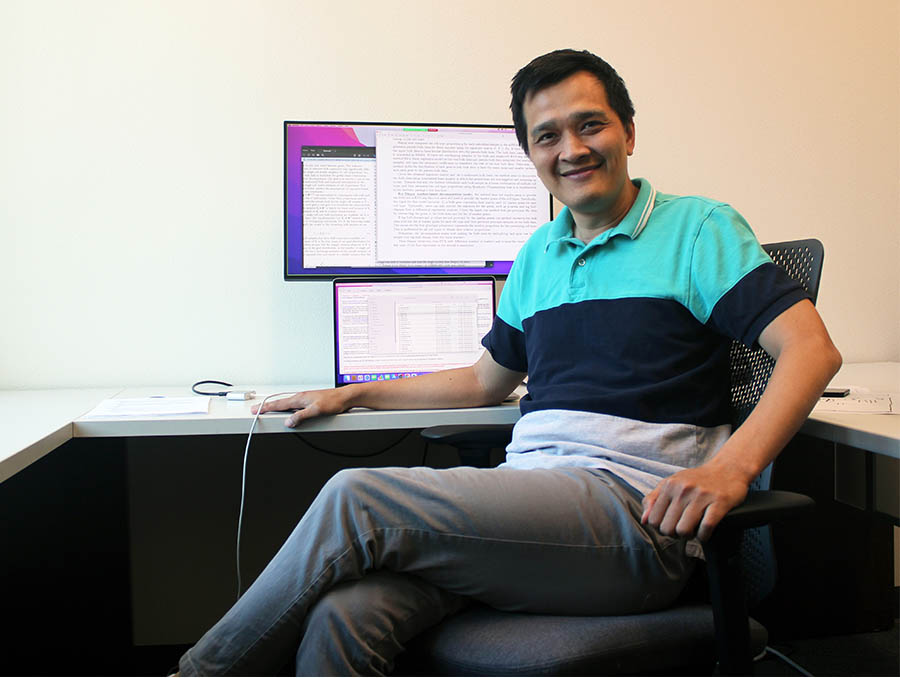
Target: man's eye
[[543, 138]]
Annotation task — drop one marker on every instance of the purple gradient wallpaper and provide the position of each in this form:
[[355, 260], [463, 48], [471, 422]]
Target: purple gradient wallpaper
[[300, 134]]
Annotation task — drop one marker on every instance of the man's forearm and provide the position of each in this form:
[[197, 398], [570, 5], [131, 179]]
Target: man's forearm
[[484, 383], [800, 376]]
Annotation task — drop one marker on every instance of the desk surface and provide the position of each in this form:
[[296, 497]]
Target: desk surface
[[873, 432], [227, 416], [36, 422]]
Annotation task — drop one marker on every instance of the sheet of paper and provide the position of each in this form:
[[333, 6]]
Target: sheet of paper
[[151, 407], [859, 403]]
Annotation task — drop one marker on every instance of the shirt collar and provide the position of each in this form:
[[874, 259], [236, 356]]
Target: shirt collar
[[563, 227]]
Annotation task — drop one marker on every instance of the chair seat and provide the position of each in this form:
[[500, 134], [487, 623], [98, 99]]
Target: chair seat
[[486, 642]]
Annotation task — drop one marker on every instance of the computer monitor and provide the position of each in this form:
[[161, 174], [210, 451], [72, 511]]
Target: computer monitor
[[390, 328], [406, 199]]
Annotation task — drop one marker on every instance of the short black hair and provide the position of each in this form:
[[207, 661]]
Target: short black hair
[[554, 67]]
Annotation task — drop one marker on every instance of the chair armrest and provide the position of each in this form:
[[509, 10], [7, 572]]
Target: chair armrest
[[470, 435], [473, 442], [761, 508]]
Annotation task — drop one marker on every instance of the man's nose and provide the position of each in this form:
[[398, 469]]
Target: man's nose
[[573, 148]]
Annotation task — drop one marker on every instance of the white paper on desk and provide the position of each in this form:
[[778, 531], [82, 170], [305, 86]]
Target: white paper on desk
[[151, 407], [869, 403]]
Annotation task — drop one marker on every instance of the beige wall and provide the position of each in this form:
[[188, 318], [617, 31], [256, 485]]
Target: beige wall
[[141, 155]]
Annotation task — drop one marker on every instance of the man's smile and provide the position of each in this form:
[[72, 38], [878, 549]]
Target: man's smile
[[581, 172]]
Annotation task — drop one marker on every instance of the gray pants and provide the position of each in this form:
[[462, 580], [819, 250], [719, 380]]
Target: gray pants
[[382, 554]]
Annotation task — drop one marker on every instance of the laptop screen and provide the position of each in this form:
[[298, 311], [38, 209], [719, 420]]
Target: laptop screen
[[391, 328]]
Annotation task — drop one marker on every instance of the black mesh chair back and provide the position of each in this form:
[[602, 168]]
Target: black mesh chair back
[[751, 368], [750, 371]]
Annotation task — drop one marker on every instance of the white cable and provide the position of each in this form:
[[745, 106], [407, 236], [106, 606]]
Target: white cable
[[244, 486], [794, 665]]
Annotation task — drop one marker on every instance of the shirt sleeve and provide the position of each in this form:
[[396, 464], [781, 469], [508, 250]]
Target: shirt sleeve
[[506, 339], [755, 301], [735, 287], [506, 345]]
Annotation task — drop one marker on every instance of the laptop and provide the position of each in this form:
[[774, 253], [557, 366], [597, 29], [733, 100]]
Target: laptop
[[396, 327]]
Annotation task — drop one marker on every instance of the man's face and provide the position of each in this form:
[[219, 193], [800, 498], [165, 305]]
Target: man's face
[[578, 145]]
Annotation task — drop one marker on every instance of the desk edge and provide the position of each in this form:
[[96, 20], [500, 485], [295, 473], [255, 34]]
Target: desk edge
[[35, 451]]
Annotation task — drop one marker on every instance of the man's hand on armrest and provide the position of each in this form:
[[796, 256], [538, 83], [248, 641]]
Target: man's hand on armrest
[[484, 383], [695, 500]]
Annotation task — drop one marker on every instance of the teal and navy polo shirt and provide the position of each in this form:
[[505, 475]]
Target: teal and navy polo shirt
[[638, 322]]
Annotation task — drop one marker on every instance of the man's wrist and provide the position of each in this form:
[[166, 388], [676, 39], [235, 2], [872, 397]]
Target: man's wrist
[[733, 464], [352, 395]]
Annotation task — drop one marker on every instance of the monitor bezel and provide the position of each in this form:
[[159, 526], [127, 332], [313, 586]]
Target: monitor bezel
[[388, 272]]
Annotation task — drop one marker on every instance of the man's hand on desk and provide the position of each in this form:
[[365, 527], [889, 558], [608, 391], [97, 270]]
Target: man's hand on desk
[[484, 383], [307, 404]]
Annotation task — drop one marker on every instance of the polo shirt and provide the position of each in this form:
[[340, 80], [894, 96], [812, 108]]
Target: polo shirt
[[634, 329]]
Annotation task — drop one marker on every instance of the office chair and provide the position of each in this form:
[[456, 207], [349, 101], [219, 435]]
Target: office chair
[[740, 569]]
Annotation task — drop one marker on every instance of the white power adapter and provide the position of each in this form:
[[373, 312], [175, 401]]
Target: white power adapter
[[240, 395]]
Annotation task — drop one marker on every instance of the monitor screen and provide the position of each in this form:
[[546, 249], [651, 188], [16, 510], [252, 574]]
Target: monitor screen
[[391, 328], [406, 199]]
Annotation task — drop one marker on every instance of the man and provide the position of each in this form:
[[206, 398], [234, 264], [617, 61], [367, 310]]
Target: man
[[621, 311]]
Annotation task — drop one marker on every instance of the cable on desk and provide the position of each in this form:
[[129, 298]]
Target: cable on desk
[[354, 456], [210, 393]]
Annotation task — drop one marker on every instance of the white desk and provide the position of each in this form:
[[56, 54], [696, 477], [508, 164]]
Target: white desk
[[878, 433], [235, 417], [37, 422]]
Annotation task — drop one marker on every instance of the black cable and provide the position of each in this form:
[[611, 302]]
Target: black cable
[[354, 456], [210, 381]]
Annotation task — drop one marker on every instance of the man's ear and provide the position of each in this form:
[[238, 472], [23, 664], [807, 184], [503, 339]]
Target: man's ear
[[629, 137]]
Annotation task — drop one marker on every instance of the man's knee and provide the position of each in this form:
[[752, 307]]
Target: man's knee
[[351, 482], [365, 487], [346, 490]]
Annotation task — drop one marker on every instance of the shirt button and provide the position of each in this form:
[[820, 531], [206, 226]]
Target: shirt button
[[581, 262]]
